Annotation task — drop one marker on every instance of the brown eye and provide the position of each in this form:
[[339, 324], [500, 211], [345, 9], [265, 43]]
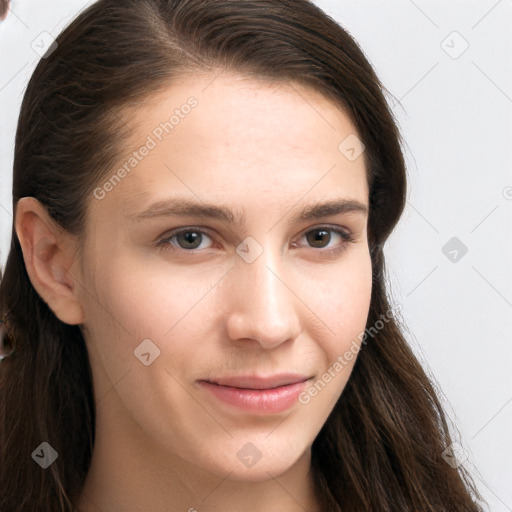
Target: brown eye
[[319, 238], [323, 238]]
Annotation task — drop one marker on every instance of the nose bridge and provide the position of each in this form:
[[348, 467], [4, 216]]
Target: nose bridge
[[263, 307]]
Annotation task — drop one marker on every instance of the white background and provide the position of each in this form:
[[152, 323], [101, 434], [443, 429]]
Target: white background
[[455, 113]]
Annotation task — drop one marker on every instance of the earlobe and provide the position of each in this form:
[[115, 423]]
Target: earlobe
[[48, 252]]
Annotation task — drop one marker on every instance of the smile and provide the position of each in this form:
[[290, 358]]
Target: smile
[[252, 394]]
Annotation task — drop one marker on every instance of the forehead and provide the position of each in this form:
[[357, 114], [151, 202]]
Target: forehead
[[233, 137]]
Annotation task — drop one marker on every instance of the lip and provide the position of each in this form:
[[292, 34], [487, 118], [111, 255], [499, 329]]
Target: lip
[[272, 394], [258, 382]]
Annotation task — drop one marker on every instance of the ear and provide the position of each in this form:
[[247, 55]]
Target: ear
[[49, 253]]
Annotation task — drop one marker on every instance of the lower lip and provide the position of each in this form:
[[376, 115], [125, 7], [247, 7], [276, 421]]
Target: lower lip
[[257, 400]]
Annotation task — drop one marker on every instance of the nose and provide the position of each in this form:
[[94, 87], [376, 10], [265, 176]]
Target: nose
[[262, 304]]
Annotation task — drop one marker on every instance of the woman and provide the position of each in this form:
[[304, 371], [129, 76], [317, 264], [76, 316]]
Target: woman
[[195, 296]]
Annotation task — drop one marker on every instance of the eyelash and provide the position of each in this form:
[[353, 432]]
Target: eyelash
[[165, 244]]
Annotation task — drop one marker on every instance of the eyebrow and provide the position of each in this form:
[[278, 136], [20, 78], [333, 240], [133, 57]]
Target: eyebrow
[[182, 207]]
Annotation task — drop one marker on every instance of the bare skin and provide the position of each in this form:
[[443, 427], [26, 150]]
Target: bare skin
[[164, 441]]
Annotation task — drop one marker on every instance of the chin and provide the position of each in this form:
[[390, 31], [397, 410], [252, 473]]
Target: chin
[[257, 460]]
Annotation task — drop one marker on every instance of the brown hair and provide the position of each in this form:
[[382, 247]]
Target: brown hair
[[4, 8], [381, 447]]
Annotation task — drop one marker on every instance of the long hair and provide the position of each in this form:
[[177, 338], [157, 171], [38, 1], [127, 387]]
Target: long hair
[[382, 446]]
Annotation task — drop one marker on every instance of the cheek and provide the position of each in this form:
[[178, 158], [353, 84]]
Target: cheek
[[340, 297], [342, 301], [134, 302]]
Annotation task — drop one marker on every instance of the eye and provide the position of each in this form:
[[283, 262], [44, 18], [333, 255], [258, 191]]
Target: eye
[[191, 238], [186, 239], [320, 237]]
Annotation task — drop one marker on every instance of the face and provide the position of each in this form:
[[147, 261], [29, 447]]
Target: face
[[227, 274]]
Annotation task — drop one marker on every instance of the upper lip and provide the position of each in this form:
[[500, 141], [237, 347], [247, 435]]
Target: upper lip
[[258, 382]]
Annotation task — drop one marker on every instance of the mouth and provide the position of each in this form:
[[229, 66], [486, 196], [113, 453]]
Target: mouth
[[273, 394], [256, 382]]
